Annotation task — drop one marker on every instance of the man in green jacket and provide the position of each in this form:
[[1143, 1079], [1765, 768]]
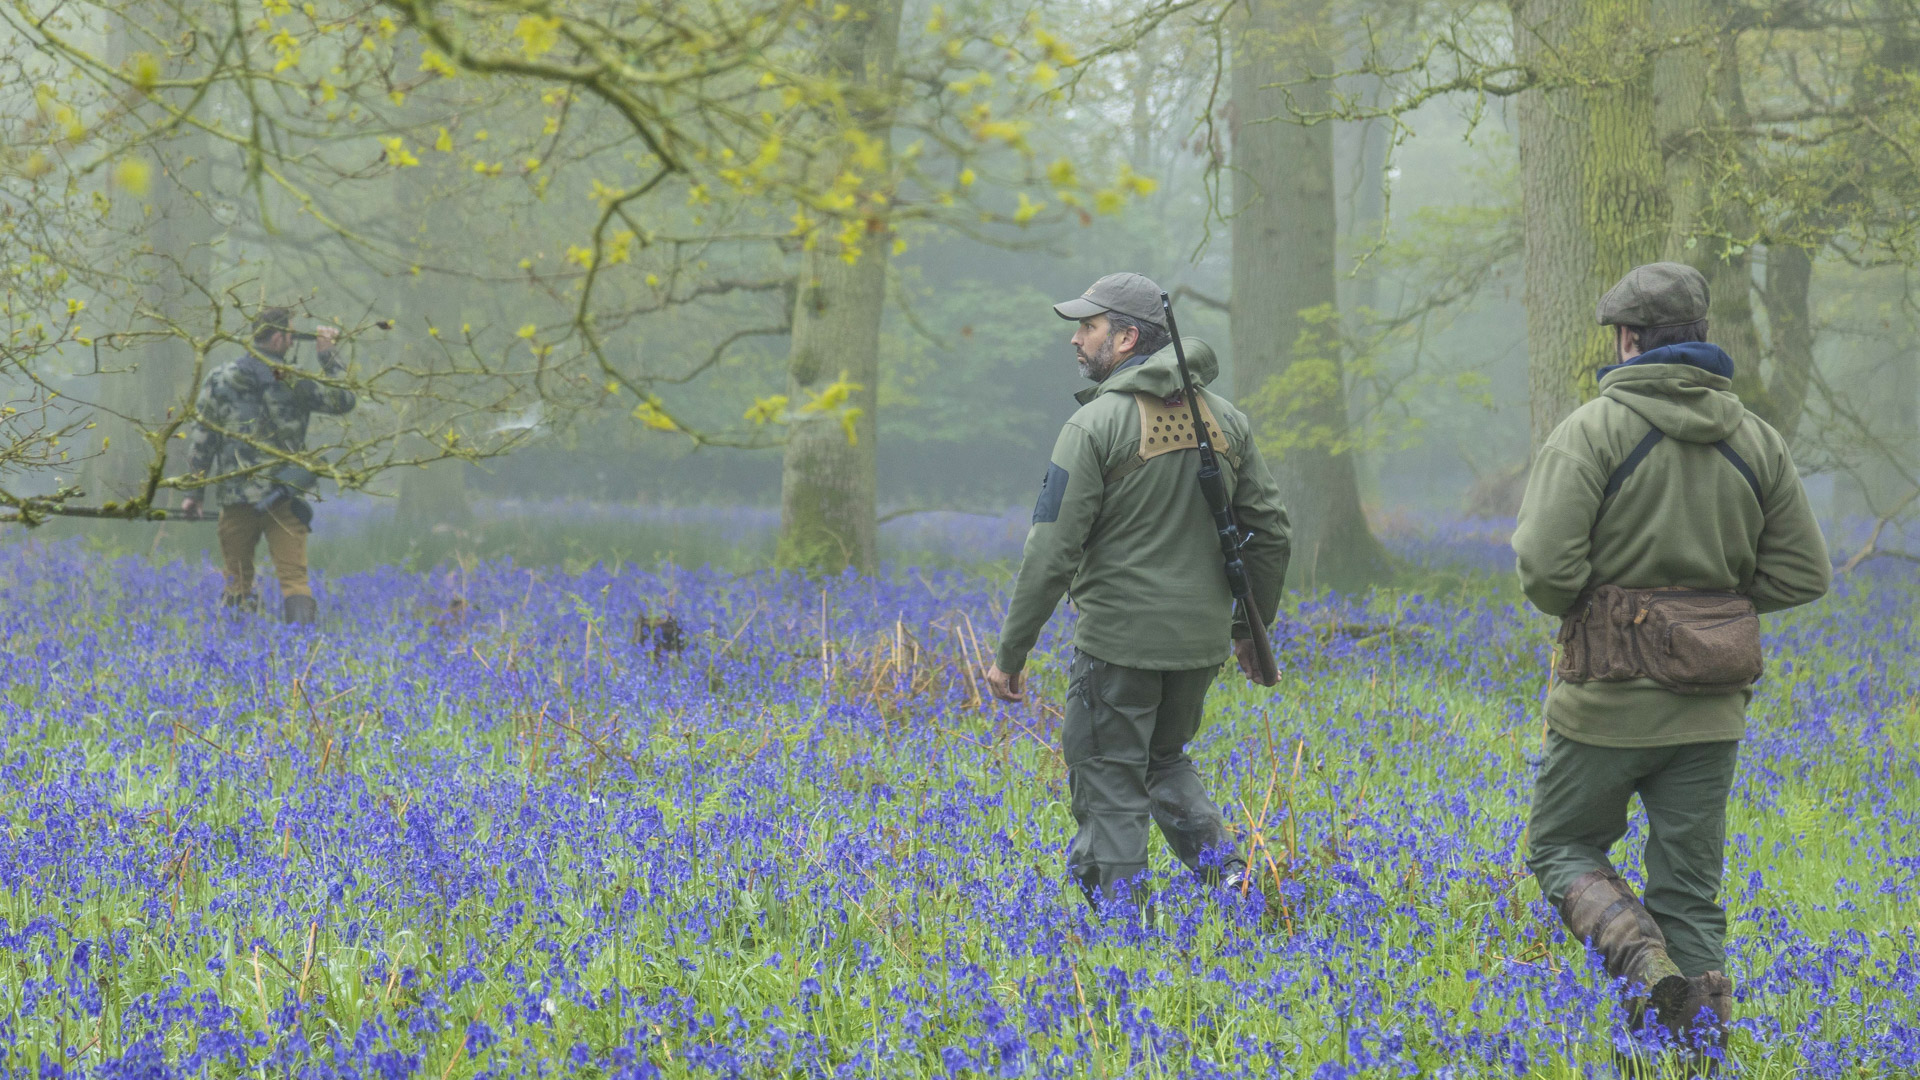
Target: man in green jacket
[[1662, 481], [1122, 525]]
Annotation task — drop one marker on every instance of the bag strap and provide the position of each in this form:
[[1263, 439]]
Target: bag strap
[[1651, 439], [1634, 457], [1746, 471]]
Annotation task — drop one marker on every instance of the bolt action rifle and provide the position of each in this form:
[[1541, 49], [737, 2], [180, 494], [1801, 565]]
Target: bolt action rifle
[[1214, 486]]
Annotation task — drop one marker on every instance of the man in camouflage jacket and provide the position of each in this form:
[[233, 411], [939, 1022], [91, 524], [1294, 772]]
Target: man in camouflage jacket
[[253, 413]]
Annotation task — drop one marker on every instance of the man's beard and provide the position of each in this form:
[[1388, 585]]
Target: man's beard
[[1098, 366]]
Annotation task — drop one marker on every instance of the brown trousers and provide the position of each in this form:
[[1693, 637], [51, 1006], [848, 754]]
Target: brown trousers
[[242, 526]]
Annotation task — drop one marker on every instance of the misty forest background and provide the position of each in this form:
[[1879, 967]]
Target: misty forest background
[[774, 252]]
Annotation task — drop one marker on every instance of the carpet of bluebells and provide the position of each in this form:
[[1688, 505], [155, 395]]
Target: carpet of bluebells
[[497, 820]]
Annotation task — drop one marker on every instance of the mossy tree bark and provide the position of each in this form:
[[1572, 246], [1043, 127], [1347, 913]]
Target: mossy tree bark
[[1789, 282], [827, 480], [1593, 187], [1288, 370], [1698, 89]]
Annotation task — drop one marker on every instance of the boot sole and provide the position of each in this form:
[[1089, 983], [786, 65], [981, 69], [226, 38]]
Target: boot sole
[[1669, 1000]]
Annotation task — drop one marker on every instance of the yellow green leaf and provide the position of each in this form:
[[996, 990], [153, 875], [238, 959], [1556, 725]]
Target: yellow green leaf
[[397, 153], [286, 47], [651, 415], [132, 175], [766, 410], [538, 34], [145, 70]]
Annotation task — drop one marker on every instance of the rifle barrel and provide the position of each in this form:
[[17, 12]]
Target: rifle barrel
[[1220, 505]]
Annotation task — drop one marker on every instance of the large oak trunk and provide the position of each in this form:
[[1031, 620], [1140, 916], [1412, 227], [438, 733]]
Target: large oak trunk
[[1288, 371], [827, 480], [1593, 188]]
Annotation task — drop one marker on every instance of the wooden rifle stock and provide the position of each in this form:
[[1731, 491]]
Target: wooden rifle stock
[[1214, 486]]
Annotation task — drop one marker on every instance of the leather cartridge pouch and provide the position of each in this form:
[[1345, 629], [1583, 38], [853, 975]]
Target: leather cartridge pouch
[[1690, 641]]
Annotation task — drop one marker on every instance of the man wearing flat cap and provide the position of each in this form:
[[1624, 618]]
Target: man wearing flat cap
[[1660, 520], [1122, 525]]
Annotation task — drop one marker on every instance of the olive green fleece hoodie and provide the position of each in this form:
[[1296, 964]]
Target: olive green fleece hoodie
[[1684, 517], [1140, 553]]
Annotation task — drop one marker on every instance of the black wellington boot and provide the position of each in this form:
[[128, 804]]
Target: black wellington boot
[[300, 610]]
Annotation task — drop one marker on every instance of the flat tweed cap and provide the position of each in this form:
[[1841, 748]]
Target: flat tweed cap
[[1657, 294], [1134, 295]]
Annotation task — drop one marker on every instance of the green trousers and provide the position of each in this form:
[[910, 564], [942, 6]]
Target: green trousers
[[1126, 736], [1580, 812]]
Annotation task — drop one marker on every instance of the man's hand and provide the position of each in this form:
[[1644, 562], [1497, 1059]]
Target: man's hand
[[1250, 667], [189, 507], [1005, 686], [324, 340]]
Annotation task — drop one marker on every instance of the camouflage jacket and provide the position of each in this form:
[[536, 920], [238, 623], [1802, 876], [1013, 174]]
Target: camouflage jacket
[[244, 403]]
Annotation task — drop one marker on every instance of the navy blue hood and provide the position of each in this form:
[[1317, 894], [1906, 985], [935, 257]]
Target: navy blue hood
[[1704, 355]]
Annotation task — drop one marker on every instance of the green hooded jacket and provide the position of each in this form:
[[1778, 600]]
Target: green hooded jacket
[[1132, 540], [1684, 517]]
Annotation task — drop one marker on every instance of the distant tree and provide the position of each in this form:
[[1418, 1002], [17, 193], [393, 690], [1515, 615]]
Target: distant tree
[[1287, 335]]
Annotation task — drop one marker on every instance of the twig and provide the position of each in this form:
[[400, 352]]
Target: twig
[[1872, 546]]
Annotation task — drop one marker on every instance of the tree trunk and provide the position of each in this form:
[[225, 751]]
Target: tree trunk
[[1146, 59], [1790, 325], [1288, 372], [827, 480], [1884, 447], [1592, 187], [1697, 88], [434, 497], [169, 253]]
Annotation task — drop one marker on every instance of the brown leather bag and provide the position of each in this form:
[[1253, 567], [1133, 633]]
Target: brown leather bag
[[1690, 641]]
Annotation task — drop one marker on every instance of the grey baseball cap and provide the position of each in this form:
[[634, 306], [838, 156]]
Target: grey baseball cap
[[1657, 294], [1133, 295]]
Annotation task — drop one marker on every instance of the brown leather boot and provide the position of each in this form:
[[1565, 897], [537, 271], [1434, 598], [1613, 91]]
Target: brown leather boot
[[1701, 1025], [1601, 910]]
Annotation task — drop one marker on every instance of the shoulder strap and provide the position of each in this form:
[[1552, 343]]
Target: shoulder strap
[[1634, 457], [1746, 471], [1652, 439]]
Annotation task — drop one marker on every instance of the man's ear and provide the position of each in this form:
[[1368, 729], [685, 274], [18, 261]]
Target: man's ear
[[1122, 342]]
